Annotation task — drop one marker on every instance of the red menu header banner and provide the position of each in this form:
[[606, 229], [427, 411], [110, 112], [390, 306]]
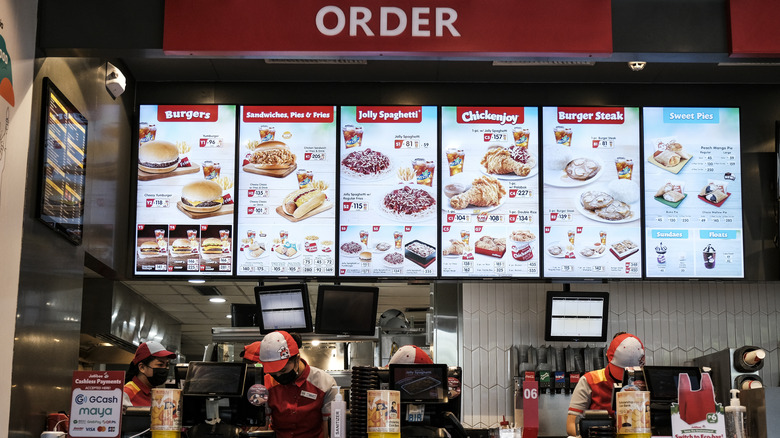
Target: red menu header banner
[[455, 28], [590, 115], [388, 114], [288, 114], [187, 113], [491, 115]]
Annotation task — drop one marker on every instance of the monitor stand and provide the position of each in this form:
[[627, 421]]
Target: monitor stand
[[213, 428]]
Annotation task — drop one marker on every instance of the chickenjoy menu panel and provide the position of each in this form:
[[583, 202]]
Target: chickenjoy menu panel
[[490, 182], [592, 168], [388, 191], [286, 194], [184, 202], [693, 196]]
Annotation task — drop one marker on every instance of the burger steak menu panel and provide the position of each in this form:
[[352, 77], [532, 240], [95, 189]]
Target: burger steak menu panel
[[184, 210], [693, 196], [388, 191], [592, 226], [286, 194], [490, 207]]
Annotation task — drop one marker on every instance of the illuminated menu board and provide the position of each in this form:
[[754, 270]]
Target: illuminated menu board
[[693, 196], [592, 168], [490, 182], [184, 203], [389, 205], [287, 183]]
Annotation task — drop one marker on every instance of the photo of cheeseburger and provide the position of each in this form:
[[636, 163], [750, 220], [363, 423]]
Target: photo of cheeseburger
[[202, 196], [212, 245], [300, 202], [181, 247], [158, 157], [149, 249]]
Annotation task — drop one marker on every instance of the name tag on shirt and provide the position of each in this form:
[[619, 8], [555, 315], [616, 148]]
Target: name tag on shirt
[[310, 395]]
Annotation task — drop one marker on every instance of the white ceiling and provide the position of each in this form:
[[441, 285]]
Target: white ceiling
[[198, 316]]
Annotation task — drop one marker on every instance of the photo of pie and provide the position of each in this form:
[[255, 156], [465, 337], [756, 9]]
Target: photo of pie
[[365, 164], [670, 155]]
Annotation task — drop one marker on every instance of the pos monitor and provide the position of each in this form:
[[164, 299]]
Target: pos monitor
[[283, 307], [215, 379], [346, 310], [420, 383]]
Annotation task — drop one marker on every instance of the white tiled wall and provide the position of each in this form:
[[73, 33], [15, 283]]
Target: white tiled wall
[[677, 321]]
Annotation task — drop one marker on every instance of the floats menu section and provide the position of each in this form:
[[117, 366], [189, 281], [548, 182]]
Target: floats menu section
[[286, 218], [693, 196], [490, 207], [592, 226], [184, 214], [388, 211]]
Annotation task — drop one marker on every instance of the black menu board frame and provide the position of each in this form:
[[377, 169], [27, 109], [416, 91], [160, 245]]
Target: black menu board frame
[[62, 187]]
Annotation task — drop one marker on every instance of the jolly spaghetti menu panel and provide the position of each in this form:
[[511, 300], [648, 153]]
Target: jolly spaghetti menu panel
[[287, 182], [693, 196], [490, 207], [184, 210], [592, 169], [388, 191]]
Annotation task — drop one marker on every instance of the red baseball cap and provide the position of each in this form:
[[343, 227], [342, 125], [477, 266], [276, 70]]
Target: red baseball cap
[[410, 354], [624, 351], [151, 348], [252, 352], [275, 350]]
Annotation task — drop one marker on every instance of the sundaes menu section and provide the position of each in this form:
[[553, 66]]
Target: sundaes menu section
[[592, 226], [693, 196], [286, 219], [184, 203], [490, 207], [388, 191]]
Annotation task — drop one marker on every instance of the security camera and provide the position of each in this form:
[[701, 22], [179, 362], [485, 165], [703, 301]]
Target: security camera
[[636, 65], [115, 80]]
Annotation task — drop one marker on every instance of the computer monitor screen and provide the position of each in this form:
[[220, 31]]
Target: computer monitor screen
[[283, 307], [215, 379], [346, 310], [180, 374], [576, 316], [662, 381], [243, 315], [419, 383]]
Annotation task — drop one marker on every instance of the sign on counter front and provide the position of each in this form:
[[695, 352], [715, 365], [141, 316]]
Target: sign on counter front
[[96, 404]]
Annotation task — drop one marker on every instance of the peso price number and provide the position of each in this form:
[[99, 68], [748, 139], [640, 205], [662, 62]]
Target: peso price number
[[157, 203], [354, 206]]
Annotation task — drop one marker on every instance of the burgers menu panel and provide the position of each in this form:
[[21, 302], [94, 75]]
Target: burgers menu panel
[[592, 226], [388, 191], [693, 196], [286, 195], [490, 207], [184, 203]]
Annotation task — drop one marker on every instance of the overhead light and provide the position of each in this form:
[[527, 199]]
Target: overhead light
[[315, 343], [229, 316], [217, 300], [196, 281], [636, 65]]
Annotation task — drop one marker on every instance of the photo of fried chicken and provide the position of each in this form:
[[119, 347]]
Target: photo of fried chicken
[[485, 191], [491, 244], [457, 247], [501, 161]]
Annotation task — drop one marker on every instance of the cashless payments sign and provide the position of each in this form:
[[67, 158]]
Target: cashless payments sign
[[96, 404]]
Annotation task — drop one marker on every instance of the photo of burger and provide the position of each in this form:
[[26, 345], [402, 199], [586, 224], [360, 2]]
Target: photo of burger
[[201, 196], [271, 158], [365, 256], [303, 201], [158, 157], [149, 249], [181, 247], [212, 246]]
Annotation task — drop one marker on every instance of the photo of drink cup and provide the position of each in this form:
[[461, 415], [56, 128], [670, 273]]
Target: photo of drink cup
[[350, 136], [571, 236], [624, 167], [603, 237], [364, 237], [266, 133], [709, 257], [465, 235], [521, 136], [398, 238], [563, 135]]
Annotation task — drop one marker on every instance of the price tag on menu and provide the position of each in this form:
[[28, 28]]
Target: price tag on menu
[[355, 206], [157, 203]]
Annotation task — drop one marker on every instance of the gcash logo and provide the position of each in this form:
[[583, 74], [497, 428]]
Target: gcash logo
[[81, 399]]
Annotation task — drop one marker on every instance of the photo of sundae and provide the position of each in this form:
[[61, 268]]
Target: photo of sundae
[[660, 250]]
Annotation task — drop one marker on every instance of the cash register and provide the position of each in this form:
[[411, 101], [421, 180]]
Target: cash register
[[424, 401], [662, 382]]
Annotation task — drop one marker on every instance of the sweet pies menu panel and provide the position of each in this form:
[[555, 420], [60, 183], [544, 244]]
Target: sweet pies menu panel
[[490, 186], [591, 198], [287, 191], [693, 196], [388, 191]]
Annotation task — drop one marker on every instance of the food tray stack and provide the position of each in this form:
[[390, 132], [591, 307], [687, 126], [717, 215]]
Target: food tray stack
[[363, 379]]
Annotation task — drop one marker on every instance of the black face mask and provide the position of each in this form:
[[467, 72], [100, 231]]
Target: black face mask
[[159, 376], [288, 377]]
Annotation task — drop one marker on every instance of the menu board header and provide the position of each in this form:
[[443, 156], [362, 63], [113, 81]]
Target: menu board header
[[606, 116], [388, 114], [289, 114], [494, 115], [187, 113]]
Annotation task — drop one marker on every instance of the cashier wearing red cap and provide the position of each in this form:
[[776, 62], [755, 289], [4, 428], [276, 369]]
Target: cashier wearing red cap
[[594, 390], [299, 394], [251, 353], [148, 369]]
